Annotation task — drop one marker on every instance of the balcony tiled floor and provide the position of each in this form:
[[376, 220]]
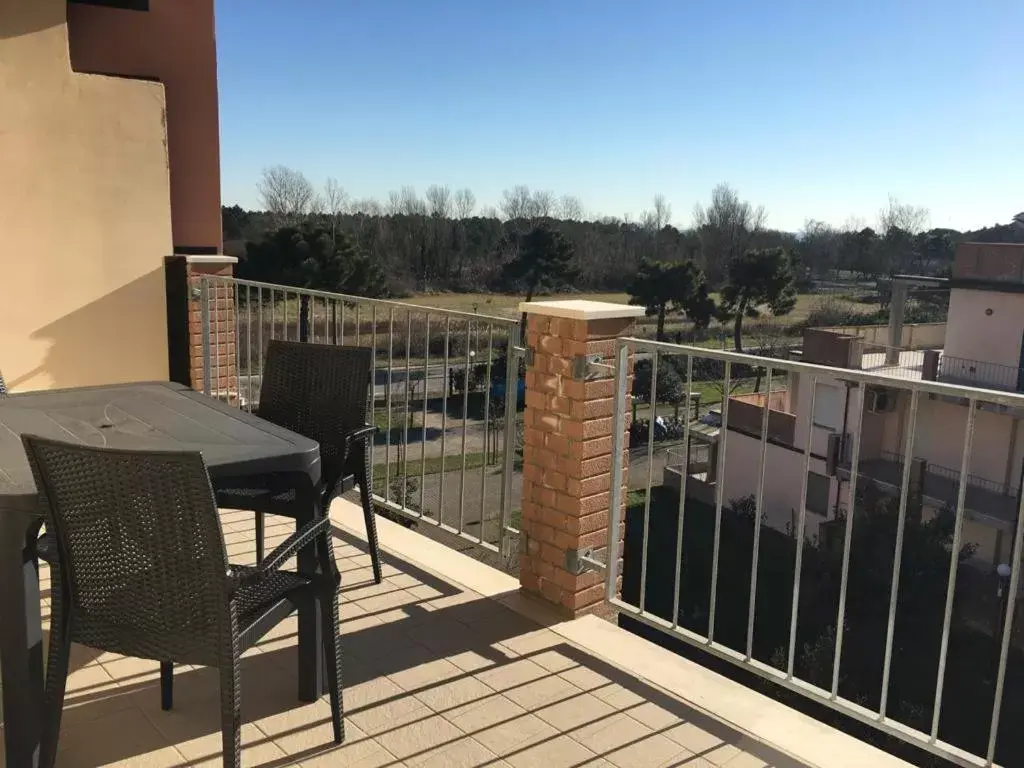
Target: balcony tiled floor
[[435, 675]]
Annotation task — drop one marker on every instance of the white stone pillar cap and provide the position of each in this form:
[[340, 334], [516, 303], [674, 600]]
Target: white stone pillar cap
[[581, 309]]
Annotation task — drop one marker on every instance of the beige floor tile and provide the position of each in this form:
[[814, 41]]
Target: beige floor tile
[[416, 739], [547, 690], [748, 760], [693, 737], [464, 753], [555, 752], [424, 675], [120, 739], [576, 711], [393, 713], [207, 751], [512, 675], [316, 751], [450, 694], [624, 742], [499, 724]]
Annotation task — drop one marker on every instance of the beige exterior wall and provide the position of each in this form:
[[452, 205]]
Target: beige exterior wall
[[84, 211], [991, 338], [915, 335], [782, 479]]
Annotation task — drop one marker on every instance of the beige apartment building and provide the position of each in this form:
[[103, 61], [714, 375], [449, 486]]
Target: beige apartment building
[[980, 345], [109, 150]]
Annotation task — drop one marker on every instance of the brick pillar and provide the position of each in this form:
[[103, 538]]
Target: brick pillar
[[221, 298], [567, 456]]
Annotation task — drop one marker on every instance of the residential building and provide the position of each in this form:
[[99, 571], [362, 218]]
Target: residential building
[[981, 345]]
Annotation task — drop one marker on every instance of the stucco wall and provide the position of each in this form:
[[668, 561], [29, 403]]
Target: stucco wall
[[84, 213], [990, 338], [782, 478]]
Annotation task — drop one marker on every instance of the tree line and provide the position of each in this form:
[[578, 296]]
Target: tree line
[[441, 241]]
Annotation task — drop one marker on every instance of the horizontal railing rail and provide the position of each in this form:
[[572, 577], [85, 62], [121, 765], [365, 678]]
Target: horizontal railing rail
[[751, 579], [446, 391], [962, 370], [951, 474]]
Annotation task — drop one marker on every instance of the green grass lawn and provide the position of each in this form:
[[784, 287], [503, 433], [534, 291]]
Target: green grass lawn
[[432, 466]]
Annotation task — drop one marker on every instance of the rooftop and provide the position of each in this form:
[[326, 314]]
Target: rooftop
[[446, 665]]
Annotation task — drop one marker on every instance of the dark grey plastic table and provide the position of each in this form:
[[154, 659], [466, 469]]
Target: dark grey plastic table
[[157, 415]]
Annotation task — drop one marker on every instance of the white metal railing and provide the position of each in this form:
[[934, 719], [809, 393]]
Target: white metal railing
[[445, 450], [717, 608]]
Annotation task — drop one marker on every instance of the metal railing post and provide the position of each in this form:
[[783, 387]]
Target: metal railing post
[[204, 311]]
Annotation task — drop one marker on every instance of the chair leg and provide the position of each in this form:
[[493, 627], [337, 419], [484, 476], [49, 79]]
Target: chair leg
[[166, 685], [56, 682], [371, 523], [332, 637], [231, 713], [259, 536]]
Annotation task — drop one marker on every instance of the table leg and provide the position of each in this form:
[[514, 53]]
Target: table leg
[[21, 644], [312, 666]]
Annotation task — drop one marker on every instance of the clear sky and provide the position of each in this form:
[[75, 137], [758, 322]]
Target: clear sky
[[814, 108]]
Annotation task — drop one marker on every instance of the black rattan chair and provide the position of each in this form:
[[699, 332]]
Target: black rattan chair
[[323, 392], [141, 570]]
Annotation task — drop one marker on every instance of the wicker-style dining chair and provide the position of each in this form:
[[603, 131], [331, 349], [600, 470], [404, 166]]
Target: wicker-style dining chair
[[323, 392], [141, 570]]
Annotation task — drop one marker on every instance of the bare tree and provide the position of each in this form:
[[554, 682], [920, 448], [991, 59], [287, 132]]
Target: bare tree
[[394, 205], [570, 208], [725, 227], [367, 206], [439, 201], [662, 212], [490, 212], [908, 218], [335, 201], [542, 204], [517, 203], [411, 203], [465, 202], [853, 224], [285, 193]]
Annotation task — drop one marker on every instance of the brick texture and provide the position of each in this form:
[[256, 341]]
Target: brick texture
[[221, 298], [567, 460]]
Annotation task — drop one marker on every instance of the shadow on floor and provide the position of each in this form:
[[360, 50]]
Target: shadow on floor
[[416, 647]]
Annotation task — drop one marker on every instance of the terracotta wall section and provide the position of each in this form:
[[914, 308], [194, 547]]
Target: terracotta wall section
[[832, 349], [567, 460], [999, 262], [174, 43]]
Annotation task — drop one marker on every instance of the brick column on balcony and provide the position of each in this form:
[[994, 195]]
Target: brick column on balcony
[[567, 456], [185, 323]]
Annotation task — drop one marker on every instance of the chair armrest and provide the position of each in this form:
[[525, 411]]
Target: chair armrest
[[293, 544], [359, 434]]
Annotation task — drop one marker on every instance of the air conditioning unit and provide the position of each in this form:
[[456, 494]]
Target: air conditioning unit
[[880, 400]]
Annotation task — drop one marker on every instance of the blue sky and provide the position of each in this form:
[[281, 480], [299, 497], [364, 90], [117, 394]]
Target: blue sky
[[814, 109]]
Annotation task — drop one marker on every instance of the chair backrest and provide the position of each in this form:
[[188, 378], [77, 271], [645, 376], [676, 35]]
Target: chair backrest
[[140, 551], [319, 391]]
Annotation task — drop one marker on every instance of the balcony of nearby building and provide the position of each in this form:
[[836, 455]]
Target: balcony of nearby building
[[984, 500]]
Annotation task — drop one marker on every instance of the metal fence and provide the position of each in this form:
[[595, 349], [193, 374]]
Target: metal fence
[[803, 610], [961, 370], [953, 475], [446, 390]]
